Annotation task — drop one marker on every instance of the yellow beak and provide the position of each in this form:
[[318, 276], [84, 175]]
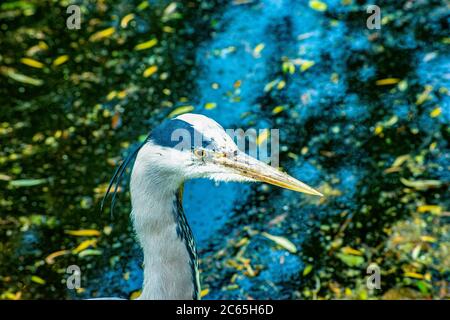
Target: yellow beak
[[257, 170]]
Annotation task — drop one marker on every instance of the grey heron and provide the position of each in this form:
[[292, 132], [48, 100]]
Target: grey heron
[[163, 162]]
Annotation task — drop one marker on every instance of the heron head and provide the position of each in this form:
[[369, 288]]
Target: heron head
[[195, 146]]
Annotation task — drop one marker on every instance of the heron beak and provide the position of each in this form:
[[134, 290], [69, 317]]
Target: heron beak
[[257, 170]]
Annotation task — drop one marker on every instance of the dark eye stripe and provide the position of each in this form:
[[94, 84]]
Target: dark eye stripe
[[162, 135]]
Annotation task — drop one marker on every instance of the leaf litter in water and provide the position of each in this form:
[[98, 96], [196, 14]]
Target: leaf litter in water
[[180, 110], [13, 74], [281, 241], [84, 233]]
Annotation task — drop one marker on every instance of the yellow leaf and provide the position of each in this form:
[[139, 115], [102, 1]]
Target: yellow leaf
[[306, 64], [84, 245], [180, 110], [146, 45], [387, 81], [413, 275], [400, 160], [277, 109], [50, 259], [428, 239], [32, 63], [60, 60], [281, 84], [424, 95], [204, 292], [258, 49], [281, 241], [125, 20], [262, 136], [378, 130], [150, 71], [106, 33], [350, 250], [122, 94], [111, 95], [210, 105], [84, 233], [430, 208], [37, 279], [436, 112], [135, 294], [318, 5]]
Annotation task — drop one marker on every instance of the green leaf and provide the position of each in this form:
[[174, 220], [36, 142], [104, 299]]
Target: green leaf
[[351, 260], [26, 182]]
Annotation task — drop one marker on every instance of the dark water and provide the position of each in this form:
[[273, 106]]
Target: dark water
[[339, 131]]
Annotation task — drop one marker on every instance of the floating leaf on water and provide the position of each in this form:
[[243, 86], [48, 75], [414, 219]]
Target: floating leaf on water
[[421, 184], [421, 98], [414, 275], [210, 105], [350, 250], [84, 233], [135, 294], [180, 110], [5, 177], [270, 85], [37, 280], [398, 162], [32, 63], [387, 81], [281, 84], [143, 5], [60, 60], [111, 95], [306, 64], [288, 67], [257, 50], [281, 241], [13, 74], [84, 245], [378, 130], [90, 252], [170, 8], [116, 121], [350, 260], [262, 136], [150, 71], [428, 239], [318, 5], [277, 109], [436, 112], [204, 292], [126, 20], [106, 33], [307, 269], [430, 208], [26, 182], [146, 45], [50, 259]]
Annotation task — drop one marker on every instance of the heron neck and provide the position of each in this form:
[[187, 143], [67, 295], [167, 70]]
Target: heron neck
[[170, 258]]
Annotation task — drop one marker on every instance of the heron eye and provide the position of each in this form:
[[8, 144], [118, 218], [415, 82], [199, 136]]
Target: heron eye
[[200, 153]]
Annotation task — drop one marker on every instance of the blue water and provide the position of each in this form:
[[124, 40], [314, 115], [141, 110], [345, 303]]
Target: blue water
[[289, 30]]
